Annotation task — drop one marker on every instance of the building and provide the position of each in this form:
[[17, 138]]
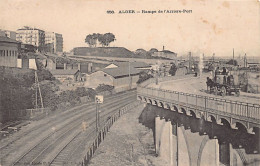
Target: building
[[54, 42], [117, 77], [67, 75], [136, 65], [9, 49], [33, 36], [165, 54], [9, 34]]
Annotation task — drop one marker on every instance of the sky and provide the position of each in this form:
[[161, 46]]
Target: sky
[[214, 26]]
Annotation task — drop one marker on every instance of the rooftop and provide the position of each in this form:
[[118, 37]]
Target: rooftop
[[133, 64], [121, 71], [64, 72], [8, 40]]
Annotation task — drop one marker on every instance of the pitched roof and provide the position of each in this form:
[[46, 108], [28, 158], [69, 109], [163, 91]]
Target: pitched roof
[[133, 64], [6, 39], [120, 71], [63, 72]]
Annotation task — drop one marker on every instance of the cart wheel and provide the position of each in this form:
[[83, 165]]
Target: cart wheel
[[237, 93], [215, 90], [223, 91]]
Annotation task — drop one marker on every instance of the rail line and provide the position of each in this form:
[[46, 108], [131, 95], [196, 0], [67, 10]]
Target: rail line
[[66, 154], [42, 147], [71, 115]]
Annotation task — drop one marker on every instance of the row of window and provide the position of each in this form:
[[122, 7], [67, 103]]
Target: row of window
[[8, 53]]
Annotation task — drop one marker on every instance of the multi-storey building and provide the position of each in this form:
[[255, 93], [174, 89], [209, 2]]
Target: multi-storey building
[[54, 42], [33, 36], [9, 34]]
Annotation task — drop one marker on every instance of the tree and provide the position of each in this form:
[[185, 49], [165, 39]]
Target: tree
[[173, 70], [106, 39], [232, 62], [143, 76], [91, 40]]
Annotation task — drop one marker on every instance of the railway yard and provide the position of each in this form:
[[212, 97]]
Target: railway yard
[[60, 139]]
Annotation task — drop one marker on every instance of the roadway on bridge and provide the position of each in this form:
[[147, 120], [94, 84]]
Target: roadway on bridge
[[61, 138], [197, 85]]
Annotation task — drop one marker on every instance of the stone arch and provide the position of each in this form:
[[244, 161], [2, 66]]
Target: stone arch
[[139, 98], [154, 102], [211, 118], [192, 113], [207, 153], [225, 121], [181, 132], [175, 108], [202, 145], [241, 127], [150, 101], [160, 104], [166, 106], [182, 110], [145, 99]]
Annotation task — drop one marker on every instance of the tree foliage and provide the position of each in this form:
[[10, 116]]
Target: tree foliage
[[232, 62], [143, 76], [103, 39], [173, 70]]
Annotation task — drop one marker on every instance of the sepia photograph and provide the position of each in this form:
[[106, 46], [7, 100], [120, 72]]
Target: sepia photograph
[[130, 82]]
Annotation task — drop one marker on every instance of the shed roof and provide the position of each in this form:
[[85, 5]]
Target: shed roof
[[120, 71], [8, 40], [133, 64], [64, 72]]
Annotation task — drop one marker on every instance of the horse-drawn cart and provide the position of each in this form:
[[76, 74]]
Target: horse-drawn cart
[[223, 84]]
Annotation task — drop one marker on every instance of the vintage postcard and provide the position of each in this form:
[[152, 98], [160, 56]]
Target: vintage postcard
[[130, 82]]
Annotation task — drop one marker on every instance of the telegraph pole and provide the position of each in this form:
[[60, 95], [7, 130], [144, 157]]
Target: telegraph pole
[[233, 58], [97, 122], [129, 75]]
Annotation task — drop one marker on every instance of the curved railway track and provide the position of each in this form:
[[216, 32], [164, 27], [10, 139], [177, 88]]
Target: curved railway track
[[20, 139], [37, 153], [77, 144]]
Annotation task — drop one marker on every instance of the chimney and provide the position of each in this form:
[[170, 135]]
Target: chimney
[[65, 66], [163, 48], [79, 66]]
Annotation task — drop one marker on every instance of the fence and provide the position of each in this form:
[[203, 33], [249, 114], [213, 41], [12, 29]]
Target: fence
[[242, 109], [102, 132], [162, 79]]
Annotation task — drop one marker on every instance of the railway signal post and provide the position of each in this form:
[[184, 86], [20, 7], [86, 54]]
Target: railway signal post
[[98, 100]]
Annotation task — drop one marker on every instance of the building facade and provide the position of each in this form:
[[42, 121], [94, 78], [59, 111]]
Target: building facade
[[9, 34], [33, 36], [165, 54], [120, 77], [9, 49], [54, 42]]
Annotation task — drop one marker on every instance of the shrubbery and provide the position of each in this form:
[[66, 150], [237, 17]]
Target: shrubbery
[[144, 76]]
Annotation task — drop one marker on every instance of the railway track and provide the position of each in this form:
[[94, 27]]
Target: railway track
[[42, 128], [72, 150], [48, 143]]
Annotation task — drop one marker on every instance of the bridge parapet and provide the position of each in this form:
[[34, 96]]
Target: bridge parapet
[[210, 108]]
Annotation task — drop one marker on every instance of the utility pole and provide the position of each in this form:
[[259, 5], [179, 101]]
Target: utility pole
[[246, 76], [233, 58], [36, 103], [38, 85], [129, 75], [189, 61], [97, 119], [98, 100]]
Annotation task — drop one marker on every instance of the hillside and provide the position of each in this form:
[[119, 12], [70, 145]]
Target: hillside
[[103, 51]]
